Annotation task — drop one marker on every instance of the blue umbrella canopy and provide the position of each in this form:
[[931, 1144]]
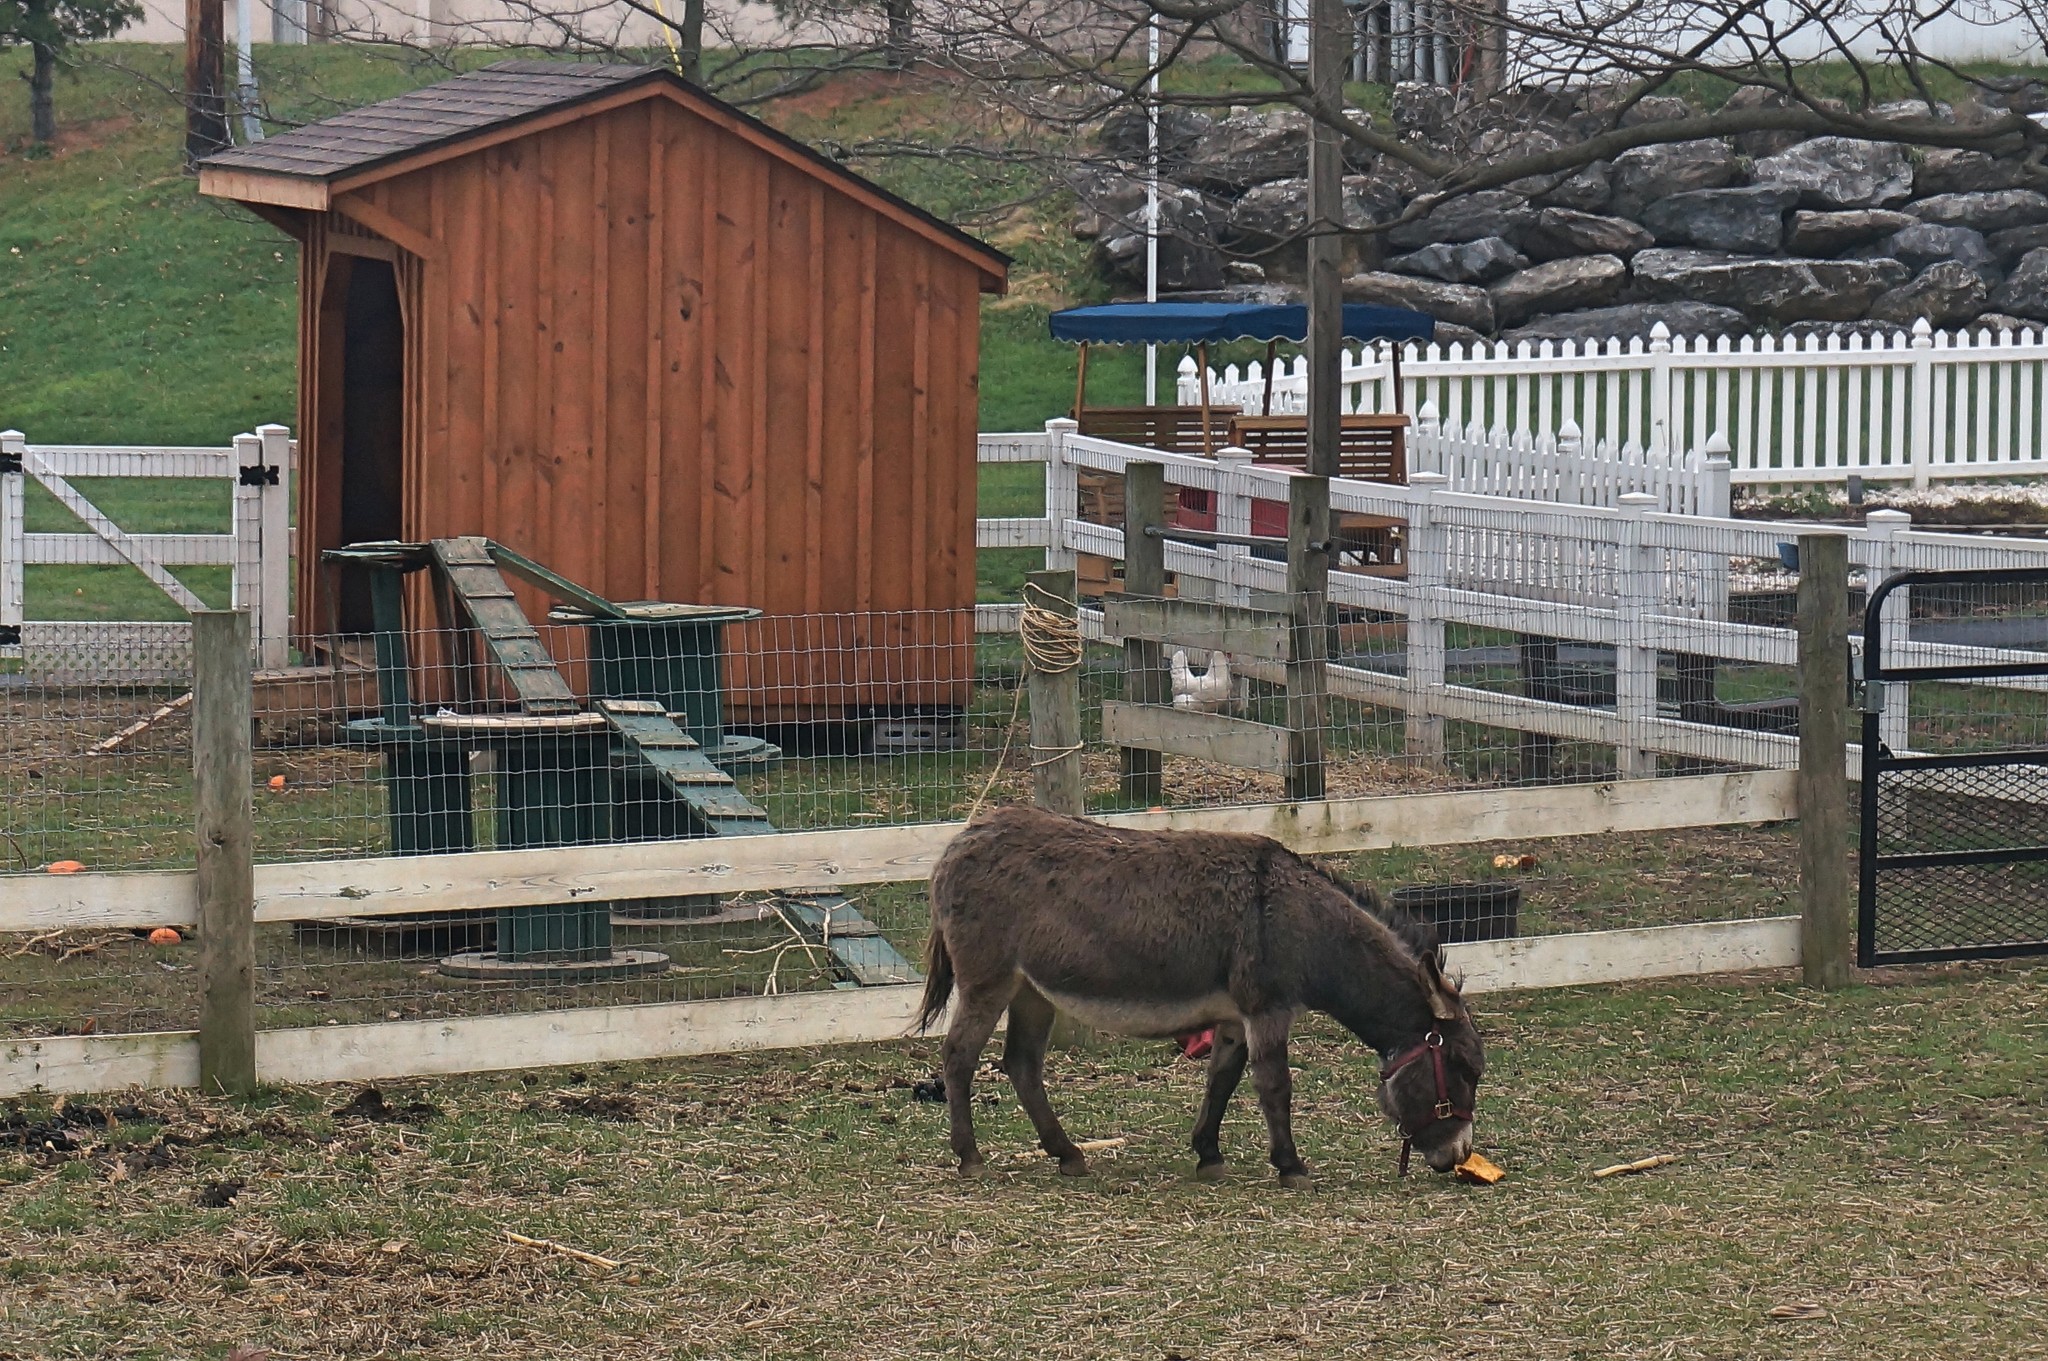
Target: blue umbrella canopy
[[1189, 323]]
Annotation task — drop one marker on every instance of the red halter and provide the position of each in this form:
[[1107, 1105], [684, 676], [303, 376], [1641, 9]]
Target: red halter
[[1431, 1044]]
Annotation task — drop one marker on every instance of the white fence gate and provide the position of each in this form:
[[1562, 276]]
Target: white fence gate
[[1921, 406], [256, 546]]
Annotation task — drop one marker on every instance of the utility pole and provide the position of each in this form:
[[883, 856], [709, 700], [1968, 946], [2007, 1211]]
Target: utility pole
[[1328, 56], [206, 122]]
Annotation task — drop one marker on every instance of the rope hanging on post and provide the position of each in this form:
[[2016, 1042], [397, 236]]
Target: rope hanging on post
[[1052, 647]]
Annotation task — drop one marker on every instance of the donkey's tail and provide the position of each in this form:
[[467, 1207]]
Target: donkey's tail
[[938, 980]]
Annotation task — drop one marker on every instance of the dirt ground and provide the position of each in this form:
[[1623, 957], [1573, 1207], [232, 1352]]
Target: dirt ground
[[1857, 1177]]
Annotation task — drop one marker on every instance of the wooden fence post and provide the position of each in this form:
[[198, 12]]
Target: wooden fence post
[[13, 535], [224, 818], [1145, 678], [1308, 644], [1055, 699], [1824, 878]]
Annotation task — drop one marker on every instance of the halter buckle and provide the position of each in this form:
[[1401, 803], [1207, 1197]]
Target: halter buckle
[[1444, 1109]]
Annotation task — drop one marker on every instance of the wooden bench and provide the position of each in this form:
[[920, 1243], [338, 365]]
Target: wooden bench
[[1374, 448], [1171, 429]]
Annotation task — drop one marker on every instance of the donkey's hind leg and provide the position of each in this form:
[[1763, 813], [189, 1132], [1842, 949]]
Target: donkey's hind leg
[[974, 1020], [1031, 1018], [1226, 1070]]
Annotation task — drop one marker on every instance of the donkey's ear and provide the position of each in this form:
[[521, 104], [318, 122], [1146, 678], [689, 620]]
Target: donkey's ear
[[1444, 1004]]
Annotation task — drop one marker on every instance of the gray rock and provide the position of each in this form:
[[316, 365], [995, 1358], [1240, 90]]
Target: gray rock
[[1490, 212], [1249, 148], [1840, 172], [2015, 94], [1635, 319], [1558, 286], [1772, 290], [1912, 111], [1467, 262], [1757, 145], [1273, 214], [1449, 333], [1460, 304], [1866, 331], [1188, 223], [1947, 293], [1641, 176], [1421, 109], [1999, 321], [1657, 109], [1558, 233], [2025, 291], [1746, 221], [1243, 272], [1586, 190], [1952, 170], [1990, 210], [1123, 136], [1828, 233], [2014, 242], [1924, 244]]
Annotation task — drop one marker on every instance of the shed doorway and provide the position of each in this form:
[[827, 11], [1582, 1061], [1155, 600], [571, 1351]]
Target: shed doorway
[[371, 503]]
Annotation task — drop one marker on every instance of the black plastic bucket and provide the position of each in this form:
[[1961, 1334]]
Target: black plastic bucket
[[1464, 912]]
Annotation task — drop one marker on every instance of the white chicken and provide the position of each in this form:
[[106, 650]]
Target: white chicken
[[1205, 691]]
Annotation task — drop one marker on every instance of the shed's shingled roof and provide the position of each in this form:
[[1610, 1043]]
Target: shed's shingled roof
[[430, 117], [495, 96]]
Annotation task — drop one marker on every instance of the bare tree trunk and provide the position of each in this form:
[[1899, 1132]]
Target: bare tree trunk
[[206, 118], [900, 13], [42, 109], [690, 42]]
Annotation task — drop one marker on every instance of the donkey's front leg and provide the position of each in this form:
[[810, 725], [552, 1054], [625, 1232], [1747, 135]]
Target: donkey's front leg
[[974, 1020], [1266, 1037]]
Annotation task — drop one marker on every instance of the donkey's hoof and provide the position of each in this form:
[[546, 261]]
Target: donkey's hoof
[[1216, 1171], [1297, 1181], [973, 1171], [1075, 1166]]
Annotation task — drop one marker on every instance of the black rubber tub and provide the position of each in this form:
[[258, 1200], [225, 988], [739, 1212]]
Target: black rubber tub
[[1464, 912]]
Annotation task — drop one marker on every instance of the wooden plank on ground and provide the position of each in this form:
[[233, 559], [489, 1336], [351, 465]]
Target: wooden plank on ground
[[1207, 737], [98, 1063], [1588, 957], [1199, 624]]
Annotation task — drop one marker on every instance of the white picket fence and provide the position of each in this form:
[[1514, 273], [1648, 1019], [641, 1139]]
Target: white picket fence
[[256, 546], [1633, 575], [1568, 468], [1919, 405]]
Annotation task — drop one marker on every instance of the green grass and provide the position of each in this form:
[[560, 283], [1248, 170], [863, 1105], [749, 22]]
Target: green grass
[[1838, 1150]]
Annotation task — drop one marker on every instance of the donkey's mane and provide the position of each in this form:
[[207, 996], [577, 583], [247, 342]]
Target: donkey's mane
[[1417, 935]]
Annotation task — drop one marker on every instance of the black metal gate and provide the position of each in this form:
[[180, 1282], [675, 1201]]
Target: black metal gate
[[1954, 846]]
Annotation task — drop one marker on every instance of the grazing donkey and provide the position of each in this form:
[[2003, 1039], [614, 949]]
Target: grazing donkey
[[1162, 933]]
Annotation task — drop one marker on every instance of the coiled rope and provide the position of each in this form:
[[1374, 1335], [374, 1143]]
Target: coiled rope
[[1052, 647]]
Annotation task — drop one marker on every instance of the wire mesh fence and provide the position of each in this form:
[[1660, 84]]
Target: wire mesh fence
[[589, 732]]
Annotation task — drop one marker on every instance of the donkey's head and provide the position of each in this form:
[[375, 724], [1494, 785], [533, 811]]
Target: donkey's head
[[1429, 1086]]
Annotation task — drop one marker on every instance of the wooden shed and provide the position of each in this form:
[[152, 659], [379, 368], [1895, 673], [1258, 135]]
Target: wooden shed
[[614, 323]]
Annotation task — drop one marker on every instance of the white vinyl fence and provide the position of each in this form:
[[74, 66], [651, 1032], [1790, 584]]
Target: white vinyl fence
[[1915, 406], [1633, 575], [256, 545]]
